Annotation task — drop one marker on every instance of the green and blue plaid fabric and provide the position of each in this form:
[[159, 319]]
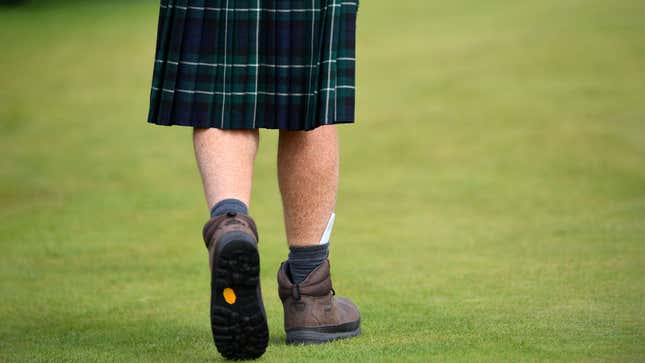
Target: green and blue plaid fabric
[[231, 64]]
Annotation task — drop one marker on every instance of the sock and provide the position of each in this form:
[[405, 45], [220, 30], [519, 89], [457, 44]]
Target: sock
[[303, 260], [227, 206]]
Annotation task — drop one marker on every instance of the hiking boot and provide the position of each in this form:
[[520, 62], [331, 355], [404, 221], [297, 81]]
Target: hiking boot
[[238, 319], [312, 314]]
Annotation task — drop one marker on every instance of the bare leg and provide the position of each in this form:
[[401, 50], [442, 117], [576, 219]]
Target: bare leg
[[225, 160], [308, 178]]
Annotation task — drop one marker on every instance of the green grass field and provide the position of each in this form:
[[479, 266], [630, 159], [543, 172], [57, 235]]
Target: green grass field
[[491, 208]]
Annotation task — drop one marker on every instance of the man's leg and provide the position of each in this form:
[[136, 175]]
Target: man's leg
[[238, 321], [308, 177], [225, 160]]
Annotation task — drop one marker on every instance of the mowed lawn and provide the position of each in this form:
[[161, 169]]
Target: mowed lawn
[[491, 208]]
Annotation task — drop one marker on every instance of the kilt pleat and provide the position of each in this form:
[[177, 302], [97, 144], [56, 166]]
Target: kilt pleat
[[231, 64]]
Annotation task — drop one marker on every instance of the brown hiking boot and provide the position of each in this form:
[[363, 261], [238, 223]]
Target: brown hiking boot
[[312, 314], [238, 319]]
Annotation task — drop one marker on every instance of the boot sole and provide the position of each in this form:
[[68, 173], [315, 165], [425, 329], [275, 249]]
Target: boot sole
[[238, 319], [320, 335]]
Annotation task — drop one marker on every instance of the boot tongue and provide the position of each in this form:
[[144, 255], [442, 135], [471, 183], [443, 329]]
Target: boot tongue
[[318, 282]]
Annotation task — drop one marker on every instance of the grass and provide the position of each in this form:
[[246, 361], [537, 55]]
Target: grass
[[492, 201]]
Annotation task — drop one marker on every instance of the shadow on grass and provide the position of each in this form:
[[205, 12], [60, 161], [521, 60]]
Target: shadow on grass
[[63, 336], [277, 339]]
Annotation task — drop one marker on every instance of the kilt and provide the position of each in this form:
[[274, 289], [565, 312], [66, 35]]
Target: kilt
[[240, 64]]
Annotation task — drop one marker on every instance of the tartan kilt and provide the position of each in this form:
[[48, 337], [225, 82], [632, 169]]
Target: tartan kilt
[[240, 64]]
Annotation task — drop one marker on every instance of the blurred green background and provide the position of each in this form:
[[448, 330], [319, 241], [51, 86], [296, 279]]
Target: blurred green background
[[491, 208]]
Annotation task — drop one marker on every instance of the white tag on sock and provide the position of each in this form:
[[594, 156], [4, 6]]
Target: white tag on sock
[[327, 233]]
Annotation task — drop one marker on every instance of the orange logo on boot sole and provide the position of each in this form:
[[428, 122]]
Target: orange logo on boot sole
[[229, 296]]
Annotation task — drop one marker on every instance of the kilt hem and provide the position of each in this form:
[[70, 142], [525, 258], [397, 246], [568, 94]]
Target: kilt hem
[[207, 125]]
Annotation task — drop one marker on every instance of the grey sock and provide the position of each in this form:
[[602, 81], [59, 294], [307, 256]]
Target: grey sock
[[229, 206], [303, 260]]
